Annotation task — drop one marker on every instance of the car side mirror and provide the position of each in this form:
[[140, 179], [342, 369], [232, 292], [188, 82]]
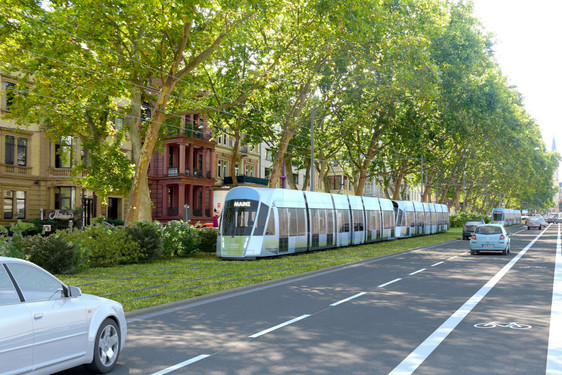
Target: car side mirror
[[75, 291]]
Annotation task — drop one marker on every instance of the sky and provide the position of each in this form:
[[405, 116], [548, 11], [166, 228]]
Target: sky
[[528, 48]]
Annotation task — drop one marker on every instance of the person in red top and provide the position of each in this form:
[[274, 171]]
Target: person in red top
[[215, 218]]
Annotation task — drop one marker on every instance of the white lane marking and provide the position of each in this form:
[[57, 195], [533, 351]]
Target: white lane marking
[[420, 354], [348, 299], [438, 263], [390, 282], [554, 357], [180, 365], [279, 326], [418, 271], [451, 258]]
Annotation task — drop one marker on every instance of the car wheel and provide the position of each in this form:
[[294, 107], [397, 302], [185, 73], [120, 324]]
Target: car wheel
[[472, 252], [504, 251], [106, 347]]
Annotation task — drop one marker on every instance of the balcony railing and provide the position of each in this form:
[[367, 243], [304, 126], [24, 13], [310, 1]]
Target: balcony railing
[[246, 180], [15, 170], [60, 172]]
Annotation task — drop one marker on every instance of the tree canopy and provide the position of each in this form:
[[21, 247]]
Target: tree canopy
[[405, 92]]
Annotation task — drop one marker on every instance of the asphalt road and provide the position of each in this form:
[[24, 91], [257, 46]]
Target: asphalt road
[[434, 310]]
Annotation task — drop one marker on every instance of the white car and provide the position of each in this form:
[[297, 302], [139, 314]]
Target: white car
[[46, 326]]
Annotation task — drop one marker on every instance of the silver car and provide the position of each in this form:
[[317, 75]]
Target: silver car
[[46, 326]]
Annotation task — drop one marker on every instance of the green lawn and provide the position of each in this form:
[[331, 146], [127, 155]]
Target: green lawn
[[143, 285]]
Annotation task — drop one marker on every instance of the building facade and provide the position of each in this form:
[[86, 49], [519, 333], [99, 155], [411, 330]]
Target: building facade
[[35, 174]]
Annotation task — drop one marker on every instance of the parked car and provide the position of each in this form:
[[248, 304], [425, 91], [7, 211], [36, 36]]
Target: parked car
[[536, 222], [469, 226], [203, 226], [47, 326], [490, 237]]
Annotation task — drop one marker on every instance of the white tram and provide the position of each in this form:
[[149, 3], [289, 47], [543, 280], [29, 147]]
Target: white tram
[[262, 222]]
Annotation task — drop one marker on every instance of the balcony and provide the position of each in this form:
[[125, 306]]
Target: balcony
[[15, 170], [60, 172], [246, 180]]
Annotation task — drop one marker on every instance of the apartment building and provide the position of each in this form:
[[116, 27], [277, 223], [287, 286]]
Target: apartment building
[[182, 177], [35, 174]]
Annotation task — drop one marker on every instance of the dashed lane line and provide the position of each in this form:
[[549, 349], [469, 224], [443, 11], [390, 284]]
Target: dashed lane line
[[348, 299]]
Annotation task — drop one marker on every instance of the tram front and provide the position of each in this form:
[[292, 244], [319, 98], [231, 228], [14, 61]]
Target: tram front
[[244, 217]]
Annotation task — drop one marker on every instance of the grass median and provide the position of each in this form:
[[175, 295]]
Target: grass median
[[144, 285]]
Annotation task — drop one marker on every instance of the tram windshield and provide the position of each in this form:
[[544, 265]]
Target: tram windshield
[[238, 217], [498, 216]]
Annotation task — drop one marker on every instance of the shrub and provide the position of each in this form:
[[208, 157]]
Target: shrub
[[52, 253], [109, 246], [149, 237], [7, 249], [179, 239], [208, 240]]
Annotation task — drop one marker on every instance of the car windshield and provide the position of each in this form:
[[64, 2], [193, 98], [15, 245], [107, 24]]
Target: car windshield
[[488, 230]]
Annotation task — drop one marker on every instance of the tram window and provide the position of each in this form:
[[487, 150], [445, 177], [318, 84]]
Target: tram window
[[293, 222], [410, 219], [388, 219], [270, 230], [301, 222], [314, 221], [358, 220], [399, 217], [262, 218], [283, 222], [330, 221], [322, 217], [343, 220]]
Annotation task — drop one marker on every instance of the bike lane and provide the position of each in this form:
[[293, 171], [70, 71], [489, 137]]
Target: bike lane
[[515, 305]]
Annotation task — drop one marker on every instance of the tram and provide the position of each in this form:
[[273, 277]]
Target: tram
[[263, 222], [505, 216]]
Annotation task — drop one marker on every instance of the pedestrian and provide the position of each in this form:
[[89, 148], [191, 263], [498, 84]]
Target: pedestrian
[[215, 218]]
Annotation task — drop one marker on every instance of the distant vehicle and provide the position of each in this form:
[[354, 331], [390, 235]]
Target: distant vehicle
[[536, 222], [47, 326], [204, 225], [469, 227], [490, 237], [505, 216]]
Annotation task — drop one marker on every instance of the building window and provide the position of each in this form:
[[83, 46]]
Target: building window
[[64, 198], [9, 150], [14, 199], [22, 152], [146, 112], [8, 204], [63, 153], [20, 204], [250, 170], [296, 178], [268, 155], [222, 168], [10, 94], [267, 173], [236, 169], [118, 121], [170, 196]]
